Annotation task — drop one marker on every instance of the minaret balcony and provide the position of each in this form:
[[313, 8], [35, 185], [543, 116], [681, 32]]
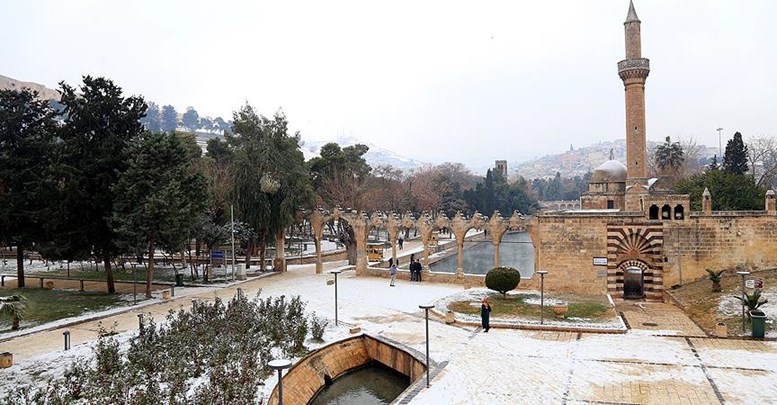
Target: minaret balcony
[[631, 68]]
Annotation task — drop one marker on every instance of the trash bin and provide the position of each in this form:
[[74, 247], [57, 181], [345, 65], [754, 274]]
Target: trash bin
[[179, 280], [758, 319]]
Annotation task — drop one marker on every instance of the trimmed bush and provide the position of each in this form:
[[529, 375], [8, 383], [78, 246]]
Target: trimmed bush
[[503, 279]]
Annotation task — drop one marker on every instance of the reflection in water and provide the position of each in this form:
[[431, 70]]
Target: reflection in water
[[516, 251], [374, 384]]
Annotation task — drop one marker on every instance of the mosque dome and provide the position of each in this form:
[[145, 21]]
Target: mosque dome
[[611, 171]]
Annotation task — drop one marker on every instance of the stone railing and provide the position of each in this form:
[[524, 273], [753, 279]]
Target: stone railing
[[631, 68]]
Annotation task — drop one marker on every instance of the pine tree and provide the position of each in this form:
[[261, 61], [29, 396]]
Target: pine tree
[[99, 123], [26, 149], [157, 198], [735, 158]]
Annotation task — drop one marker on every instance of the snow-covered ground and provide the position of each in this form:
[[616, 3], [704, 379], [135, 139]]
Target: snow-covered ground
[[731, 306], [504, 366]]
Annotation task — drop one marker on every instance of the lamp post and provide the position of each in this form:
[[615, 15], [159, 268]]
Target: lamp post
[[336, 272], [280, 365], [232, 216], [426, 308], [743, 274], [542, 274], [720, 146]]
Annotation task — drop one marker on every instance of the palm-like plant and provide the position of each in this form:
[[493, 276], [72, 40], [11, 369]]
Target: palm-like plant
[[753, 301], [715, 277], [14, 308], [669, 157]]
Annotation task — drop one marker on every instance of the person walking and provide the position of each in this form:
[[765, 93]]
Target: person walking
[[393, 273], [413, 274], [485, 314], [418, 268], [401, 242]]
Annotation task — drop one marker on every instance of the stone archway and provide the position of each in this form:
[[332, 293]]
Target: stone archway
[[633, 278]]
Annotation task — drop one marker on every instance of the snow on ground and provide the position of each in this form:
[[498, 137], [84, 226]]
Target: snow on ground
[[731, 306], [507, 366]]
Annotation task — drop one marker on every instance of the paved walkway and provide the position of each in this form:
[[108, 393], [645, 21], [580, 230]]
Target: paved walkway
[[507, 366]]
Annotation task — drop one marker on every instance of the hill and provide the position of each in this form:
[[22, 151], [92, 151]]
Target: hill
[[45, 93]]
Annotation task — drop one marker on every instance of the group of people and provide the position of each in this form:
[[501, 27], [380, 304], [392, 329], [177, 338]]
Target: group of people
[[415, 269]]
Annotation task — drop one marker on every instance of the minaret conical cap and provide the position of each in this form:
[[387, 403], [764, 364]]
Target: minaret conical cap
[[632, 16]]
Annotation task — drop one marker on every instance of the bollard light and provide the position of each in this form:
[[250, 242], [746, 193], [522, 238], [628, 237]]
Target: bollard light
[[542, 274], [66, 334], [336, 272], [426, 308], [280, 365], [743, 274]]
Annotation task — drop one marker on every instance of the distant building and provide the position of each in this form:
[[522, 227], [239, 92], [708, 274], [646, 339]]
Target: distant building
[[501, 167]]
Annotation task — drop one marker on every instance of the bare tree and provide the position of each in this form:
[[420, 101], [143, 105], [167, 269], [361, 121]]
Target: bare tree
[[762, 157]]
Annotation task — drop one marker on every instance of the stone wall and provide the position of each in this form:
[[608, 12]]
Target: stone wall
[[303, 381], [566, 243], [717, 241]]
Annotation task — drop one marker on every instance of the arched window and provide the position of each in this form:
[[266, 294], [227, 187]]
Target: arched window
[[666, 212], [679, 212], [653, 212]]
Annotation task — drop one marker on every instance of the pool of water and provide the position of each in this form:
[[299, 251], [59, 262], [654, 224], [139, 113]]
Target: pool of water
[[515, 251], [374, 384]]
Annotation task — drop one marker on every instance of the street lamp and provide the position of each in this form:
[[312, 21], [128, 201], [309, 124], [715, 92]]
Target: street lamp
[[542, 274], [336, 272], [280, 365], [232, 216], [743, 274], [720, 145], [426, 308]]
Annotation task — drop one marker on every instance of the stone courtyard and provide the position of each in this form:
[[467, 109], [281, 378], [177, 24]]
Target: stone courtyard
[[667, 361]]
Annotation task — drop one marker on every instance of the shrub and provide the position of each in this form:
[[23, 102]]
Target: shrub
[[317, 327], [715, 277], [503, 279], [752, 301]]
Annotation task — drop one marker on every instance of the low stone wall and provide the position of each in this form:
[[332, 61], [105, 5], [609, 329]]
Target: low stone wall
[[466, 280], [330, 256], [304, 380]]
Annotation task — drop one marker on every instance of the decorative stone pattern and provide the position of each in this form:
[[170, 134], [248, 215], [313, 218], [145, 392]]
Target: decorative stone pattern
[[635, 246]]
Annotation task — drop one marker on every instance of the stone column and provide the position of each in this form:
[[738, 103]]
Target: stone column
[[317, 220], [359, 222], [706, 202], [459, 227], [394, 227], [498, 227], [771, 203], [425, 228]]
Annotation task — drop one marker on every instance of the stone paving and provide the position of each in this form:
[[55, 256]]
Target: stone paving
[[647, 365]]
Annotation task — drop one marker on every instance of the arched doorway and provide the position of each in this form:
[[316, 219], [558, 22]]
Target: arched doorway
[[633, 283]]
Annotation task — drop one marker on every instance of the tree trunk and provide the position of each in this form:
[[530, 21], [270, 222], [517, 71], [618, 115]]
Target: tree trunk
[[262, 251], [150, 268], [15, 324], [109, 275], [19, 265]]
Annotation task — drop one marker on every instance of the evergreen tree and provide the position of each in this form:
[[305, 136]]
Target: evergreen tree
[[157, 198], [190, 119], [714, 164], [26, 149], [271, 182], [735, 158], [99, 123], [169, 119], [152, 120], [730, 192]]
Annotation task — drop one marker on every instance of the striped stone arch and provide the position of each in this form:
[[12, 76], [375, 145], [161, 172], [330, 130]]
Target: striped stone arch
[[638, 246]]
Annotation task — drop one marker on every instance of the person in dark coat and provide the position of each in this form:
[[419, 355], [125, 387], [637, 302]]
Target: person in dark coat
[[418, 268], [485, 314]]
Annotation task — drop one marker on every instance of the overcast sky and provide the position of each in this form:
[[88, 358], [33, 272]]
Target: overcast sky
[[437, 81]]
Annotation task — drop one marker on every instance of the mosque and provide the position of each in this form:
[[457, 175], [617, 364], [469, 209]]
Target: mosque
[[633, 237]]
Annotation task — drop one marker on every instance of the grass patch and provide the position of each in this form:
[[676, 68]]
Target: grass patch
[[701, 304], [161, 274], [51, 305], [516, 306]]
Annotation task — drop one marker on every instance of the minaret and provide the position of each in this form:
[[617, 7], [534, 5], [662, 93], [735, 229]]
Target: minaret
[[634, 71]]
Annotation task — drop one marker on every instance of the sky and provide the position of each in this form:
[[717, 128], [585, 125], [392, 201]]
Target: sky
[[436, 81]]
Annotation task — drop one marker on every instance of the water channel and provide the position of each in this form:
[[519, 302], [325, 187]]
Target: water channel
[[515, 251], [374, 384]]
